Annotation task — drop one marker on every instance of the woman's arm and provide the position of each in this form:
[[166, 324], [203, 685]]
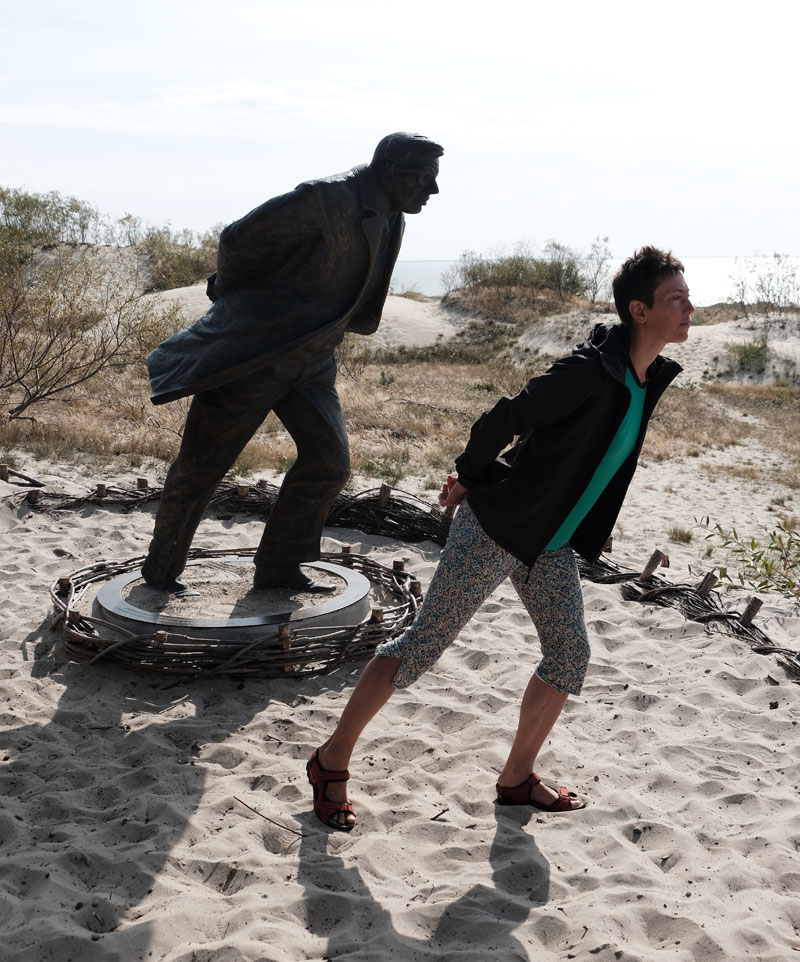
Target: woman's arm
[[452, 493], [544, 400]]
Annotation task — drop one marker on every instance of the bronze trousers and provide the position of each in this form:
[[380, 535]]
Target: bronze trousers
[[220, 422]]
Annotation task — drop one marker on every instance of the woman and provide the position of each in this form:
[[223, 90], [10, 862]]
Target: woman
[[580, 428]]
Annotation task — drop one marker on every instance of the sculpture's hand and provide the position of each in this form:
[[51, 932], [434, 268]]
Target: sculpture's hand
[[452, 493]]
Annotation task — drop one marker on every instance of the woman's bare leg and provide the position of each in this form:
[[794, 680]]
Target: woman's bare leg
[[373, 690], [541, 706]]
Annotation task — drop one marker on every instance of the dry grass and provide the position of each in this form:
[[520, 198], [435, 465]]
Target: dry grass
[[494, 317], [687, 422], [717, 313], [404, 418], [408, 414], [775, 411]]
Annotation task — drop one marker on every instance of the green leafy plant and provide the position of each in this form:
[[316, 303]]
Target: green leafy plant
[[769, 562]]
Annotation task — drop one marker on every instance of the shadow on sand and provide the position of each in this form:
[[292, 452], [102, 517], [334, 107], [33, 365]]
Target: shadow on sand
[[98, 795]]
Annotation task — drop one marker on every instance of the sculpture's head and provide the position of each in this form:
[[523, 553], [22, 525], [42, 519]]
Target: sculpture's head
[[407, 166]]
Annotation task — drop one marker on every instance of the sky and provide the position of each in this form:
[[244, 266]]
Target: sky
[[672, 124]]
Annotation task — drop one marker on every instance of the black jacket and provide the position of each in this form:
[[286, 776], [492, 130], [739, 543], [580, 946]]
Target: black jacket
[[564, 421]]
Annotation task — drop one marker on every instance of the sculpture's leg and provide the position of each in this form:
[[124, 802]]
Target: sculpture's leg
[[218, 426], [312, 415]]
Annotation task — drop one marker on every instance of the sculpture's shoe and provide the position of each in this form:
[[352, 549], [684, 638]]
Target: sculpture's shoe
[[178, 588], [288, 576]]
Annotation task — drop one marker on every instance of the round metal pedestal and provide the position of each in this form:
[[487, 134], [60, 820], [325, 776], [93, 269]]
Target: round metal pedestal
[[228, 604]]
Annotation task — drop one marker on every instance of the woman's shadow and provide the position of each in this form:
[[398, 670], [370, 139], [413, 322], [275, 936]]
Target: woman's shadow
[[479, 924], [98, 793]]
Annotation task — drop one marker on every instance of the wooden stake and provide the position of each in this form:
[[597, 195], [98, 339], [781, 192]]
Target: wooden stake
[[415, 587], [64, 585], [377, 616], [750, 612], [705, 586], [160, 637], [243, 490], [100, 490], [347, 549], [285, 636], [398, 566], [656, 558], [3, 472], [142, 484], [383, 495]]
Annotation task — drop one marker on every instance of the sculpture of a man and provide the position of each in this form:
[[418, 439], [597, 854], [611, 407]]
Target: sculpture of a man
[[292, 277]]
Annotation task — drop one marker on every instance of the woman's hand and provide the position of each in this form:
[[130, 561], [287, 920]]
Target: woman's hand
[[452, 493]]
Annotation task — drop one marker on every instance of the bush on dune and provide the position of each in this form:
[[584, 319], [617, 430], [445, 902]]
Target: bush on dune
[[67, 310]]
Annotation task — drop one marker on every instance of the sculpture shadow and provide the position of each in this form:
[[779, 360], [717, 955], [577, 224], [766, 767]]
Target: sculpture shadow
[[99, 791]]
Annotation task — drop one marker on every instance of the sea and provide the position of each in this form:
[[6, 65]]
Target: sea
[[711, 280]]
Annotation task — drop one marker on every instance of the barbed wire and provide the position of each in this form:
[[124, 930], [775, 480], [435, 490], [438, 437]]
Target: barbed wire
[[291, 652]]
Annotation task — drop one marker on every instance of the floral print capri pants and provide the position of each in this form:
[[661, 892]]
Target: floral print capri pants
[[472, 565]]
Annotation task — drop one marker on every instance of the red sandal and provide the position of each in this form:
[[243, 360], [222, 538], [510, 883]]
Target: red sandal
[[521, 795], [325, 809]]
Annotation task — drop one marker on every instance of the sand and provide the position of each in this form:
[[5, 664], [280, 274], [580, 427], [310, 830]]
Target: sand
[[126, 834], [410, 321]]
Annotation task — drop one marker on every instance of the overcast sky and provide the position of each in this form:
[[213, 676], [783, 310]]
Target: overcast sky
[[674, 124]]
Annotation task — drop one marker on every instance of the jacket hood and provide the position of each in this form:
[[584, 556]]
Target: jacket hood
[[612, 343]]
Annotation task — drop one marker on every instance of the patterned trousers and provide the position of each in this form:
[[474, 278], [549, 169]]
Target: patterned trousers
[[472, 565]]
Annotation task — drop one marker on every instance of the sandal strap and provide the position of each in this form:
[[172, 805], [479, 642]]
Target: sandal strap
[[519, 794], [318, 775], [563, 802]]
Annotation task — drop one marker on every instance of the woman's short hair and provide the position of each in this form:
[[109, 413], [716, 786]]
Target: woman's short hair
[[638, 278]]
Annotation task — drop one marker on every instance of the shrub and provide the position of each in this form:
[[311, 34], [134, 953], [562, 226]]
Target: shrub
[[179, 258], [557, 270], [769, 562], [28, 220], [596, 270], [752, 356], [770, 285], [65, 320], [352, 355]]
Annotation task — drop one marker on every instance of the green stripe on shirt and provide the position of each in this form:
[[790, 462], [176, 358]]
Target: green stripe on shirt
[[618, 451]]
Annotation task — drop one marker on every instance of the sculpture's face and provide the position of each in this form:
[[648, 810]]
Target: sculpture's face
[[409, 189]]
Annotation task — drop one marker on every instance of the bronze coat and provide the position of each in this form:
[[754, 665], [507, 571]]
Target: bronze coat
[[292, 276]]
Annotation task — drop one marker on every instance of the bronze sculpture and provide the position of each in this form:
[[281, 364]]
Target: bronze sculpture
[[292, 277]]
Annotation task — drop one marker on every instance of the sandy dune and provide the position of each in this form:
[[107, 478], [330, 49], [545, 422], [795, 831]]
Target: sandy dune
[[122, 837], [405, 320]]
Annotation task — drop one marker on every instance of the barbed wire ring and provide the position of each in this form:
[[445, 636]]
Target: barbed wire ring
[[286, 652]]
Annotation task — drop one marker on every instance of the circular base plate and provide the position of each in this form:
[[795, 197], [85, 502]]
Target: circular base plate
[[227, 602]]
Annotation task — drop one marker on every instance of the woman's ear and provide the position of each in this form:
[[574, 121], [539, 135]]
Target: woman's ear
[[638, 311]]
